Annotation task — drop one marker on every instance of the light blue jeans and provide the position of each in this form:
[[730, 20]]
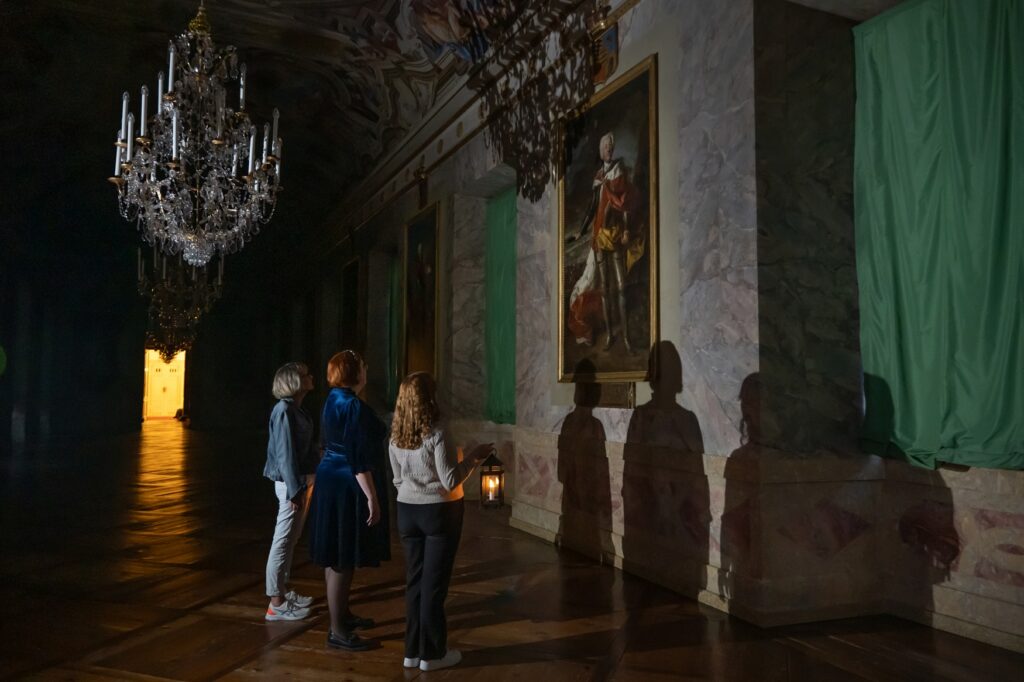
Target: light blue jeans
[[286, 536]]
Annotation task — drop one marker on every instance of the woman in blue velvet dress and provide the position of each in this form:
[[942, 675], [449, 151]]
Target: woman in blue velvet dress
[[348, 527]]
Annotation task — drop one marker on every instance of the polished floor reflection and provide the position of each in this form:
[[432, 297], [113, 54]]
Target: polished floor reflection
[[142, 558]]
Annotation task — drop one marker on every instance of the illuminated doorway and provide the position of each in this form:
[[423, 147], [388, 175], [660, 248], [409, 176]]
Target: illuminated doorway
[[164, 393]]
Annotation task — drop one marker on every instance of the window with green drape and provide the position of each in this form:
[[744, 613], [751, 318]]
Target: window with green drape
[[500, 311], [939, 214], [394, 327]]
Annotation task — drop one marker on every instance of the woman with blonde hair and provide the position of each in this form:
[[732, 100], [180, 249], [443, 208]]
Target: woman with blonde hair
[[349, 528], [291, 462], [429, 476]]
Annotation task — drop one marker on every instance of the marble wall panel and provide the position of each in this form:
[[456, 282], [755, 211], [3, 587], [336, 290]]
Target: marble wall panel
[[468, 366], [807, 289], [716, 191], [537, 481], [473, 161], [955, 552], [535, 336], [817, 528]]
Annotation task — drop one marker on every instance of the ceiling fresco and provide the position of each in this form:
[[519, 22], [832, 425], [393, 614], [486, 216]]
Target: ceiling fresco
[[352, 78], [361, 73]]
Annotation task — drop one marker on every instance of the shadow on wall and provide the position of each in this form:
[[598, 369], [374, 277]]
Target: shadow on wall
[[666, 501], [919, 520], [586, 520], [740, 549], [919, 545]]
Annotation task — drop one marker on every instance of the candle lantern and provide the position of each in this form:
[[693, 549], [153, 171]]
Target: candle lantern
[[492, 482]]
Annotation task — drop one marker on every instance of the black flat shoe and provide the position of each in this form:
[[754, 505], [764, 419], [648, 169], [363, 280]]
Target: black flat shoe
[[359, 623], [352, 642]]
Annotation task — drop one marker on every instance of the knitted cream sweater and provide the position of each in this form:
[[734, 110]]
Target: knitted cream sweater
[[431, 473]]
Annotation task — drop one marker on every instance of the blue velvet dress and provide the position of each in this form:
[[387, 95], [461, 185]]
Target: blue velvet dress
[[354, 442]]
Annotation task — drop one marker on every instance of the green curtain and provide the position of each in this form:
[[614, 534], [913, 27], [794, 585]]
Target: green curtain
[[939, 206], [500, 311], [394, 327]]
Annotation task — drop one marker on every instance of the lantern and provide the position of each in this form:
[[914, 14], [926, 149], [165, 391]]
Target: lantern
[[492, 482]]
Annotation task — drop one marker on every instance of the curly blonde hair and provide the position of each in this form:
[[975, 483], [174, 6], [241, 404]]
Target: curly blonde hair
[[416, 411]]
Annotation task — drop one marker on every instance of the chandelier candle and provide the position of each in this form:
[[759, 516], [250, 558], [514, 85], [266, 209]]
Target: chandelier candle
[[220, 117], [117, 156], [174, 136], [182, 184], [277, 115], [131, 135], [170, 68], [252, 148], [241, 89], [142, 118], [124, 115]]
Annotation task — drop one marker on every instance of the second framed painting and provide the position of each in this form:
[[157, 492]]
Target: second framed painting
[[420, 258], [608, 232]]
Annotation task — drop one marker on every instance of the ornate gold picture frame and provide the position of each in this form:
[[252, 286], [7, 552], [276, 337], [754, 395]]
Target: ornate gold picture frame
[[608, 232]]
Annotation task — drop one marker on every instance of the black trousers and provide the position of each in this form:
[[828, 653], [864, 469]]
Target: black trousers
[[430, 536]]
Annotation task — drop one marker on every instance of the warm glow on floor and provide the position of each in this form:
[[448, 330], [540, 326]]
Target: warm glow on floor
[[161, 481], [164, 393]]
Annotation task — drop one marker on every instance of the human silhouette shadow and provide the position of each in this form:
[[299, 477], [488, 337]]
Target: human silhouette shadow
[[586, 520], [916, 525], [927, 544], [739, 561], [666, 502]]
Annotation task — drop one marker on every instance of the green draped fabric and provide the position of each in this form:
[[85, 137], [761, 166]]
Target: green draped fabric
[[939, 205], [500, 311], [394, 327]]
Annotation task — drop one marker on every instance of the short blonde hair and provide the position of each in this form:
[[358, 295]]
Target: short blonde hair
[[415, 411], [288, 380]]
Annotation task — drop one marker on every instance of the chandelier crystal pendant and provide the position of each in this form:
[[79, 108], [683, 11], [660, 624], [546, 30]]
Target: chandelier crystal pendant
[[192, 175]]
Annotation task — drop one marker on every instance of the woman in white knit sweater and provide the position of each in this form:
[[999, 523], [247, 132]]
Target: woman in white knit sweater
[[429, 476]]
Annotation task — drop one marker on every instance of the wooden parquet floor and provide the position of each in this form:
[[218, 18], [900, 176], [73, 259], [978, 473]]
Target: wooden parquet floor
[[142, 557]]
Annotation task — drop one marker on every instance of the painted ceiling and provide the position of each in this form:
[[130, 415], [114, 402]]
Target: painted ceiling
[[352, 79]]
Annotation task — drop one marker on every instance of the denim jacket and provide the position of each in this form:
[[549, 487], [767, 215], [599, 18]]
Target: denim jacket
[[291, 453]]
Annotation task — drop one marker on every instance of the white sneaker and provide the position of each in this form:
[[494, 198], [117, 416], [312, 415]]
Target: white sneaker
[[286, 611], [451, 657], [411, 662], [300, 600]]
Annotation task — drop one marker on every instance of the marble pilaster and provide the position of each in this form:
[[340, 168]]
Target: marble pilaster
[[716, 237], [468, 380]]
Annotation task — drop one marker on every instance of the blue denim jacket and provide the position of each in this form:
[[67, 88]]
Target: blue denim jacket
[[291, 453]]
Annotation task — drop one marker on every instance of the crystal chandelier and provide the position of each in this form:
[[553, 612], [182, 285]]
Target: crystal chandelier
[[544, 77], [170, 342], [191, 175], [179, 295]]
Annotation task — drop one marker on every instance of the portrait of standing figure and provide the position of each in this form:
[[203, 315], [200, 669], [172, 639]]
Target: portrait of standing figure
[[608, 231]]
